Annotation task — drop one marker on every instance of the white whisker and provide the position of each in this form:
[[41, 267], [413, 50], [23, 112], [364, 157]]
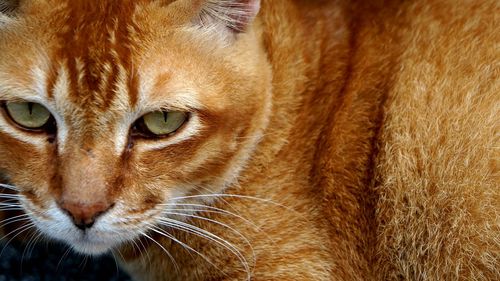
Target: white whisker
[[184, 245], [146, 250], [10, 204], [263, 200], [206, 235], [209, 209], [20, 231], [68, 249], [208, 191], [218, 223], [14, 220], [33, 237], [8, 186], [165, 250], [114, 258], [10, 196], [135, 246], [35, 242], [6, 209]]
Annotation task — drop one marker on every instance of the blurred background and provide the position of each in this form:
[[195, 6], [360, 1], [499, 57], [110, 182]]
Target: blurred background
[[52, 262]]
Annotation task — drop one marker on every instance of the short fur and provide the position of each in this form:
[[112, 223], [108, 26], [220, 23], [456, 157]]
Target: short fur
[[352, 140]]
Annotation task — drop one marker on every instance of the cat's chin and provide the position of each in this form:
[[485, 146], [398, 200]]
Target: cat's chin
[[90, 244], [87, 245], [92, 249]]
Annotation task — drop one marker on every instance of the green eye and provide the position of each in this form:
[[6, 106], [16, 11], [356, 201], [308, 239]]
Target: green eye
[[160, 123], [28, 115]]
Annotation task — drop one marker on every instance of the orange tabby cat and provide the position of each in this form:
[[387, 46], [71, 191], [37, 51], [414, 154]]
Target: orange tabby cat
[[256, 140]]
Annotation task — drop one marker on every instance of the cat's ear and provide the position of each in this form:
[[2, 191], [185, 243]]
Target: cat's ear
[[8, 7], [233, 15]]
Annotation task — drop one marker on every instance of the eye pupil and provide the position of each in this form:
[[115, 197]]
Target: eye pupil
[[30, 107]]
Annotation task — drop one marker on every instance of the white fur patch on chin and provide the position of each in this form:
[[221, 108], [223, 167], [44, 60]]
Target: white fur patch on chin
[[91, 248]]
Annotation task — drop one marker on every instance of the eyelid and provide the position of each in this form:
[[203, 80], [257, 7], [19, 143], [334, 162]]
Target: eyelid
[[174, 99], [167, 107]]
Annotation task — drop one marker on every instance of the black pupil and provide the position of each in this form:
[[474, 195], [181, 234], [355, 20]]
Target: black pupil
[[30, 107]]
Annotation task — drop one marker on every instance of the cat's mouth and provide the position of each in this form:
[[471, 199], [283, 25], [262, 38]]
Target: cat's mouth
[[99, 239]]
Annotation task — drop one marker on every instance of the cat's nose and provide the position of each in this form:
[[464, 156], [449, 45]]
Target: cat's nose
[[84, 215]]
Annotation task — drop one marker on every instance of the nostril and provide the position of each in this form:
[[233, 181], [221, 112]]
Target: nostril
[[84, 215]]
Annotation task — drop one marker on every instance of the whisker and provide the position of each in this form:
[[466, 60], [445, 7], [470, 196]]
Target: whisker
[[8, 209], [10, 204], [8, 186], [222, 199], [84, 262], [10, 196], [134, 245], [68, 249], [146, 250], [10, 201], [114, 258], [218, 223], [218, 211], [31, 240], [21, 230], [165, 250], [206, 235], [211, 209], [35, 242], [155, 228], [184, 245], [263, 200], [14, 220]]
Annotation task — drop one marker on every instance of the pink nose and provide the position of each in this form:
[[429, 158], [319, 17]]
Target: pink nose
[[84, 215]]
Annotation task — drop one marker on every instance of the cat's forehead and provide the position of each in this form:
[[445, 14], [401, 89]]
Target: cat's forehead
[[89, 52], [97, 16], [104, 29], [96, 43]]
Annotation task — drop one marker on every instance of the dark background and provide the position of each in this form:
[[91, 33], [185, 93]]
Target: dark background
[[48, 262]]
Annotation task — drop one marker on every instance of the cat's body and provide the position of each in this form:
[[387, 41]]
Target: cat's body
[[346, 141]]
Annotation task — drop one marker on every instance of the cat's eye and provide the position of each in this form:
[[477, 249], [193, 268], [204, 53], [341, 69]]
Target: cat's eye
[[28, 115], [160, 123]]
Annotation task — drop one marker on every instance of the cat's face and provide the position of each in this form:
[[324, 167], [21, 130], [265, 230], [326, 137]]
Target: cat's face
[[110, 110]]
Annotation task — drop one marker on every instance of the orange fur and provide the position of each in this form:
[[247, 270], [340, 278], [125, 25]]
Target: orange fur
[[354, 140]]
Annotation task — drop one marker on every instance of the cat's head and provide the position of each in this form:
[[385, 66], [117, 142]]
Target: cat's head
[[113, 111]]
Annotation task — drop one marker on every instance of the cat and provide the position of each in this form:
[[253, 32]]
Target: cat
[[256, 140]]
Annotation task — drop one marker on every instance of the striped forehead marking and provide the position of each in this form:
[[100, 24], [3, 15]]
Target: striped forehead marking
[[96, 44]]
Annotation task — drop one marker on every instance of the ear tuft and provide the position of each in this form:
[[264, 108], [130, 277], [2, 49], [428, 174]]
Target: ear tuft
[[235, 15], [8, 6]]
